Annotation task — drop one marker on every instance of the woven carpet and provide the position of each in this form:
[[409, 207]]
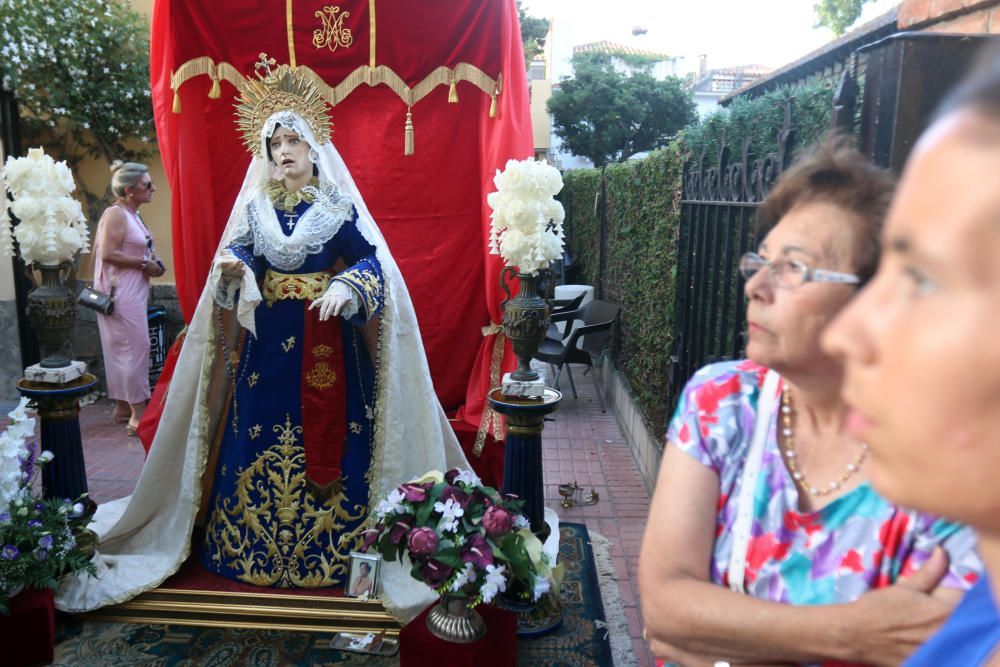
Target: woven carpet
[[581, 641]]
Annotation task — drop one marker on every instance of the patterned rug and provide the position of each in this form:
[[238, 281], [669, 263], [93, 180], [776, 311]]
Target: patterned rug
[[581, 641]]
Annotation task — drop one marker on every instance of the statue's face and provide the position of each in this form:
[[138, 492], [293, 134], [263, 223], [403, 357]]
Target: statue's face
[[291, 153]]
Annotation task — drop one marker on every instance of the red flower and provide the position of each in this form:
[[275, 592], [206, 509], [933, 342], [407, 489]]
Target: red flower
[[434, 573], [415, 493], [497, 521], [477, 551], [423, 542], [400, 528], [460, 497]]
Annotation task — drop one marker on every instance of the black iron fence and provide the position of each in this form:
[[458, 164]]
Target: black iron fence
[[718, 206]]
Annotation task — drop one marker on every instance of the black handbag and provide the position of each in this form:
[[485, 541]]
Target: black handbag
[[97, 300]]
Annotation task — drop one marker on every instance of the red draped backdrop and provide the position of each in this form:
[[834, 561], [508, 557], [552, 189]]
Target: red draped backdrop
[[431, 205]]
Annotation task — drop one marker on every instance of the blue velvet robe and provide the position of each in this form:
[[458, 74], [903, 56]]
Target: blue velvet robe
[[268, 523]]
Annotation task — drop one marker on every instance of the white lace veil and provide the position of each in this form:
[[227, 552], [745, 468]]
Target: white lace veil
[[145, 538]]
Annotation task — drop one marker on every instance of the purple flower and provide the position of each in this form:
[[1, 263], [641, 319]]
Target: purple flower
[[477, 551], [460, 497], [4, 517], [497, 521], [451, 475], [34, 523], [415, 493], [423, 542], [45, 542], [434, 573], [39, 507], [10, 552], [41, 554], [400, 529]]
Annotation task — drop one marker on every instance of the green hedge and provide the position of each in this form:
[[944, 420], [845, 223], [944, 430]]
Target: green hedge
[[643, 206], [643, 214]]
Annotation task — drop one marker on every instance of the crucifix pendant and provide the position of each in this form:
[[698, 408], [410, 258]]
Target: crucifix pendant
[[290, 219]]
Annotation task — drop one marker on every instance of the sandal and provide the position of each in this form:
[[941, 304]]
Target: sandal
[[131, 430]]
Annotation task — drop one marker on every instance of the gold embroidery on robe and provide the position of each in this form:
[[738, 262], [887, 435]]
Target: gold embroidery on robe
[[288, 345], [252, 380], [321, 376], [255, 431], [273, 510], [355, 428], [322, 351], [366, 285]]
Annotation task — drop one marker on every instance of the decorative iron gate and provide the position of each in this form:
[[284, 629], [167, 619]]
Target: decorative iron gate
[[718, 210]]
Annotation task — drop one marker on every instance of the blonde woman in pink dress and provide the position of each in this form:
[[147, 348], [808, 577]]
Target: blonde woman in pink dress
[[125, 260]]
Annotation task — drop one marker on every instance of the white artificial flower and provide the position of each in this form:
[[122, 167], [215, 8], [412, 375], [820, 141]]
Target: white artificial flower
[[46, 456], [466, 575], [542, 586], [468, 477], [495, 581], [393, 504], [19, 413], [450, 512], [521, 521]]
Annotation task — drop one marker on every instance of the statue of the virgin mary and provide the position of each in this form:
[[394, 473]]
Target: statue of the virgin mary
[[301, 395]]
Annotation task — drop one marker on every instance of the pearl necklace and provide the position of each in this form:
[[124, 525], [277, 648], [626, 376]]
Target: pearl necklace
[[791, 459]]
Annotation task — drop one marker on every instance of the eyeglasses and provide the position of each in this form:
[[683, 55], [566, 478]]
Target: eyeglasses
[[791, 273], [145, 186]]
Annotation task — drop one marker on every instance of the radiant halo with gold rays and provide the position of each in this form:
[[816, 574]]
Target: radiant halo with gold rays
[[276, 89]]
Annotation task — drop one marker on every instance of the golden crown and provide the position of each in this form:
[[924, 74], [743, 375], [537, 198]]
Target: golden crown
[[282, 88]]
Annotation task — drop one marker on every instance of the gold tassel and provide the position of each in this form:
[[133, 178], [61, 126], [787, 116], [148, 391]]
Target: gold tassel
[[452, 93], [177, 102], [493, 104], [408, 150], [216, 91]]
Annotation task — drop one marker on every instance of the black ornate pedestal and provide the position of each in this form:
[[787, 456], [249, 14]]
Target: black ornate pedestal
[[59, 410], [523, 477]]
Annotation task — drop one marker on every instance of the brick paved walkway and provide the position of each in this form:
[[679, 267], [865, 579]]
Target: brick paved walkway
[[581, 445]]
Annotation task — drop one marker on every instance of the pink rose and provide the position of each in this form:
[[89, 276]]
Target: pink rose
[[497, 521], [423, 542]]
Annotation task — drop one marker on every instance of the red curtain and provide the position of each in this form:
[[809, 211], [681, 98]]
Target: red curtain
[[431, 206]]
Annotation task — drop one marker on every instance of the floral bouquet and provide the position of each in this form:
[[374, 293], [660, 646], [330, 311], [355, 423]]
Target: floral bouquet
[[526, 227], [462, 538], [52, 226], [38, 538]]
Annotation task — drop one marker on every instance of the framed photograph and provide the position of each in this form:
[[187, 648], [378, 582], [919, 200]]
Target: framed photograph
[[362, 578]]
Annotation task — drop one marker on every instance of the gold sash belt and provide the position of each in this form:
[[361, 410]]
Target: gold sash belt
[[304, 286]]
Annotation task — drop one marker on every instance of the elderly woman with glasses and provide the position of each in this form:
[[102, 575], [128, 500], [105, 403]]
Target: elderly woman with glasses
[[765, 542], [125, 261]]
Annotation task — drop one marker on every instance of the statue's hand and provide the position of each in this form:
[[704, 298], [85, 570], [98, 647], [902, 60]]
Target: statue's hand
[[330, 304], [231, 267]]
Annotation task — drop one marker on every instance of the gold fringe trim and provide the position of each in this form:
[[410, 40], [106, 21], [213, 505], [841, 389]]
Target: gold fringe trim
[[452, 93], [366, 74], [216, 91], [491, 420], [408, 133], [177, 102]]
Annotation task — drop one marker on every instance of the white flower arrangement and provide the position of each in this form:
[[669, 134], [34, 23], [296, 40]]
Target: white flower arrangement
[[13, 449], [527, 223], [52, 226]]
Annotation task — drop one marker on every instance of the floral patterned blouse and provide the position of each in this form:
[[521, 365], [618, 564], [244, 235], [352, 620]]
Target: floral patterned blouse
[[857, 542]]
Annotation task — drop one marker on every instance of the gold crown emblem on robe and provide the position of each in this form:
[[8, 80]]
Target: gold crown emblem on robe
[[281, 88]]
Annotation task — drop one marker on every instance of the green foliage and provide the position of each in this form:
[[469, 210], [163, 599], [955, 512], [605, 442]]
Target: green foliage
[[533, 33], [760, 120], [606, 116], [80, 72], [643, 211], [837, 15]]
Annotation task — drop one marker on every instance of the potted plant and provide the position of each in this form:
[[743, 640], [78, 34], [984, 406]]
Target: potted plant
[[41, 540], [465, 541]]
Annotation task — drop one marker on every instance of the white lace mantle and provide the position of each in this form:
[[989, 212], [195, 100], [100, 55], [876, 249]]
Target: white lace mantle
[[330, 210]]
